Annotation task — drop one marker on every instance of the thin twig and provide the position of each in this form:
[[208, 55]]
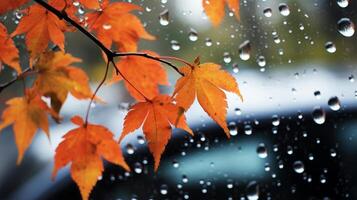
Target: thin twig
[[96, 90], [20, 76]]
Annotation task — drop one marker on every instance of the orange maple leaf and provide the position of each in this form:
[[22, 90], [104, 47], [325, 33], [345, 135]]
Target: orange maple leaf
[[83, 147], [145, 74], [56, 78], [8, 51], [91, 4], [214, 9], [7, 5], [206, 81], [27, 114], [41, 27], [116, 24], [157, 116]]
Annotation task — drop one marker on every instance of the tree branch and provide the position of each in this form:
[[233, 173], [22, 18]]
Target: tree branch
[[20, 76], [110, 54]]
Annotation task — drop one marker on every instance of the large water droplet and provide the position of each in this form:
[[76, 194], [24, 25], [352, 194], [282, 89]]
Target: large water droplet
[[163, 189], [284, 9], [129, 148], [298, 167], [252, 191], [319, 116], [268, 12], [330, 47], [346, 27], [275, 120], [138, 168], [164, 18], [334, 103], [208, 42], [343, 3], [262, 151], [248, 129], [244, 50]]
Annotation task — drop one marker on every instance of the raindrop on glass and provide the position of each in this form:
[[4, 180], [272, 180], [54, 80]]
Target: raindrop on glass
[[129, 148], [192, 35], [252, 191], [268, 12], [346, 27], [226, 57], [141, 139], [138, 168], [298, 167], [330, 47], [248, 129], [262, 151], [164, 18], [284, 9], [233, 131], [175, 45], [334, 103], [235, 68], [319, 116], [244, 50], [163, 189], [317, 94], [275, 120], [342, 3], [261, 61], [208, 42]]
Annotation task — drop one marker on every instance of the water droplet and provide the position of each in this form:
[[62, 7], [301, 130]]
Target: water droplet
[[141, 139], [323, 179], [164, 18], [351, 78], [76, 3], [237, 111], [261, 61], [317, 94], [208, 42], [284, 9], [233, 131], [248, 129], [130, 149], [343, 3], [244, 50], [107, 26], [226, 57], [81, 10], [289, 150], [275, 120], [235, 68], [330, 47], [346, 27], [276, 39], [266, 167], [175, 45], [252, 190], [18, 14], [163, 189], [192, 35], [298, 167], [138, 168], [262, 151], [175, 164], [184, 179], [334, 103], [268, 12], [319, 116]]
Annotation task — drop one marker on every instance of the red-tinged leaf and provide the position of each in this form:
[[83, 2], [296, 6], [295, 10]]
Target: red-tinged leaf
[[57, 77], [115, 24], [7, 5], [8, 51], [156, 116], [84, 147], [42, 27], [27, 114], [214, 9], [206, 81], [145, 74]]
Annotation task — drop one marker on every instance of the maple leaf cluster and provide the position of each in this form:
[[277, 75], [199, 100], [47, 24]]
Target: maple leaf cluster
[[116, 29]]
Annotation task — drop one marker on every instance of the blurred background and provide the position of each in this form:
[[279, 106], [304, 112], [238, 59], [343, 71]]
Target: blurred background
[[293, 137]]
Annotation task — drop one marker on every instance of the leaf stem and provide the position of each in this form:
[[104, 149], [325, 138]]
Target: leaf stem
[[96, 91]]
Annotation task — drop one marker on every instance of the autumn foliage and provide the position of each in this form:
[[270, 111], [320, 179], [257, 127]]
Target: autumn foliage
[[114, 28]]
